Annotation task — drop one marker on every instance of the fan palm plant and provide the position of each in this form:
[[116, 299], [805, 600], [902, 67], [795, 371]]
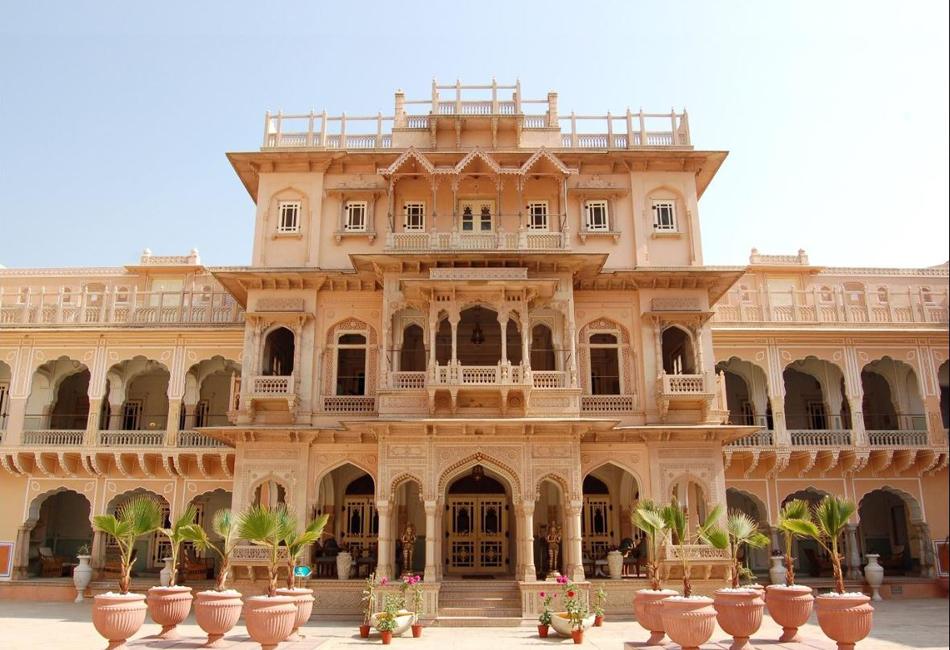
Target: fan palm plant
[[794, 510], [741, 531], [296, 541], [136, 518], [175, 535], [678, 524], [648, 518], [262, 526], [224, 525], [829, 519]]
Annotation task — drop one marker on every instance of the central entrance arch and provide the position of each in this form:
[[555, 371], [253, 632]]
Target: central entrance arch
[[477, 526]]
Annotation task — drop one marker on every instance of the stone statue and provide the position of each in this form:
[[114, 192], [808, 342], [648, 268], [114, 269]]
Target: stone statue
[[553, 539], [408, 540]]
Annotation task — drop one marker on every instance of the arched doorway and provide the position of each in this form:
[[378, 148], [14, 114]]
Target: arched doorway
[[194, 564], [610, 494], [678, 355], [149, 550], [412, 353], [887, 525], [347, 495], [814, 396], [59, 396], [943, 378], [813, 561], [542, 348], [892, 397], [479, 337], [409, 519], [60, 528], [476, 525], [548, 512], [756, 559], [692, 498], [278, 355]]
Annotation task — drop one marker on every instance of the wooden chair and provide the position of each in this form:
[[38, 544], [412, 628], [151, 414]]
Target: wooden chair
[[51, 566], [112, 568], [194, 568]]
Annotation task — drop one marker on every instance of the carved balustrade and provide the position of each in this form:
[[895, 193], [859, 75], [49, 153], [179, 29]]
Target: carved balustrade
[[132, 438], [820, 437], [521, 240]]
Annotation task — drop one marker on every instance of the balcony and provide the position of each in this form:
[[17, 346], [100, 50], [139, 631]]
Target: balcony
[[820, 437], [683, 392], [607, 403], [523, 240], [349, 404], [195, 439], [54, 437], [762, 438], [898, 439], [132, 438], [270, 388]]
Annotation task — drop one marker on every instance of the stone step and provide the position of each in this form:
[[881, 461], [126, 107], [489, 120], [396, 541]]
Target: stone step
[[479, 602], [478, 621]]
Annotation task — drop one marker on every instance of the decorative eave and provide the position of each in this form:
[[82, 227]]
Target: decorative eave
[[580, 264], [287, 433], [239, 280], [711, 433], [716, 280]]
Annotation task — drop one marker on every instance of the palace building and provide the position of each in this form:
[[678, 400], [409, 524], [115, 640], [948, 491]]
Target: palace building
[[491, 320]]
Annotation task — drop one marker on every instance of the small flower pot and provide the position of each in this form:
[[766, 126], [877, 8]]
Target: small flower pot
[[648, 607], [577, 636], [598, 620], [689, 622], [739, 614], [270, 620], [386, 636], [217, 612], [364, 631], [790, 607], [416, 630], [168, 607], [543, 631], [304, 599], [118, 616], [845, 618]]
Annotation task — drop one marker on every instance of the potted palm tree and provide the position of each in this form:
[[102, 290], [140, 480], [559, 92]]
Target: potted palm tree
[[790, 604], [690, 620], [119, 616], [270, 618], [296, 541], [170, 605], [844, 617], [217, 611], [739, 609], [648, 518]]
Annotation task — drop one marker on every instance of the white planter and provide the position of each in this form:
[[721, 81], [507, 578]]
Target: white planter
[[874, 574], [615, 564], [82, 576], [165, 575], [777, 570], [562, 624], [344, 561], [403, 622]]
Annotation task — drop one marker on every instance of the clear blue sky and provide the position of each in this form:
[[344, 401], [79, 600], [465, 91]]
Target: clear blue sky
[[115, 116]]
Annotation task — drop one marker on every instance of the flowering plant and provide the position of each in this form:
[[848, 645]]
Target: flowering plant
[[599, 601], [573, 603], [386, 621], [410, 584], [545, 617]]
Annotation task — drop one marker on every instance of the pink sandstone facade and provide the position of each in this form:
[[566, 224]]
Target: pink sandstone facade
[[482, 317]]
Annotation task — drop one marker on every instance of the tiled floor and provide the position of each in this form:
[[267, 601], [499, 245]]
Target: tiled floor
[[907, 624]]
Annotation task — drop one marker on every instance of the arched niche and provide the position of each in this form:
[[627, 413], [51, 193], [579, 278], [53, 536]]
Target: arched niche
[[58, 525], [278, 353]]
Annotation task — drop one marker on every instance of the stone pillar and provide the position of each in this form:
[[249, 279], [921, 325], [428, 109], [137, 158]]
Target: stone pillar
[[92, 421], [16, 416], [776, 391], [503, 324], [384, 550], [927, 568], [171, 427], [574, 560], [431, 507], [529, 571], [854, 555], [22, 554], [454, 323], [96, 550]]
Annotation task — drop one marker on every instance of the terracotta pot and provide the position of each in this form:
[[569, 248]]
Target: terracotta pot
[[386, 636], [648, 607], [739, 614], [364, 631], [790, 607], [543, 631], [416, 630], [689, 622], [169, 606], [117, 617], [217, 612], [304, 599], [578, 636], [844, 619], [598, 620], [269, 620]]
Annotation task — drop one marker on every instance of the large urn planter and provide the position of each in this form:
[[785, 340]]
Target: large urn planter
[[777, 570], [615, 565], [648, 607], [562, 624], [270, 619], [874, 574], [217, 612], [344, 562], [169, 606], [82, 576], [739, 614], [790, 607], [844, 618], [689, 622], [303, 598], [404, 621], [118, 616]]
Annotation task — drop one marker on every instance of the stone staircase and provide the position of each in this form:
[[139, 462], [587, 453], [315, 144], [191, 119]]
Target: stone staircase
[[479, 603]]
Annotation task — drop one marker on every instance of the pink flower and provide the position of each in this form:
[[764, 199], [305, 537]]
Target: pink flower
[[384, 581], [541, 594], [562, 580]]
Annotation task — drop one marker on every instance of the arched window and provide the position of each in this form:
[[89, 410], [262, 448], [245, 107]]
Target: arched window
[[678, 356], [604, 364], [443, 342], [351, 365], [279, 353], [412, 355], [542, 348], [270, 494]]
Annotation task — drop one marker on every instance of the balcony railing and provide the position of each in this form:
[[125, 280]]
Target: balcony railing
[[132, 438], [459, 375], [762, 438], [606, 403], [349, 404], [54, 437], [44, 308], [820, 437], [408, 380], [898, 438], [522, 240], [195, 439], [834, 305], [263, 386], [549, 379]]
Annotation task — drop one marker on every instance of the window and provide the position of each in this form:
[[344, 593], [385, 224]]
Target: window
[[355, 216], [604, 365], [596, 216], [664, 216], [415, 214], [538, 215], [288, 216], [351, 365], [477, 217], [132, 415]]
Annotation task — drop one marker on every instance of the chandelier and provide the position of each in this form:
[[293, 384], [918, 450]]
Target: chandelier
[[478, 336], [477, 473]]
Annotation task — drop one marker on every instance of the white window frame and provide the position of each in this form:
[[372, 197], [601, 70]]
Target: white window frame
[[664, 215], [352, 208], [414, 210], [538, 215], [288, 217], [589, 209]]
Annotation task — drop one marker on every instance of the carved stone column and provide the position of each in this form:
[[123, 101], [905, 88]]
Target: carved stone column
[[431, 507], [529, 571], [454, 323], [927, 568], [854, 554], [574, 562], [503, 325], [384, 550], [22, 557], [92, 421]]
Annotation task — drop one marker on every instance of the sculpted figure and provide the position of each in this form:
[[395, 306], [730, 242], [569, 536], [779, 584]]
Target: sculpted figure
[[553, 539], [408, 540]]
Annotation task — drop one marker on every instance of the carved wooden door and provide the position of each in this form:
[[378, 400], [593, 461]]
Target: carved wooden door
[[477, 534]]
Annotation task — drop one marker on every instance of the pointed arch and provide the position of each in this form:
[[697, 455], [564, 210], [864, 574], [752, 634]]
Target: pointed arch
[[543, 153], [461, 466], [477, 153], [409, 154]]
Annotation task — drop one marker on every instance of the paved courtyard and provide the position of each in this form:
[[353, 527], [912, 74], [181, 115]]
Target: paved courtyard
[[918, 624]]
